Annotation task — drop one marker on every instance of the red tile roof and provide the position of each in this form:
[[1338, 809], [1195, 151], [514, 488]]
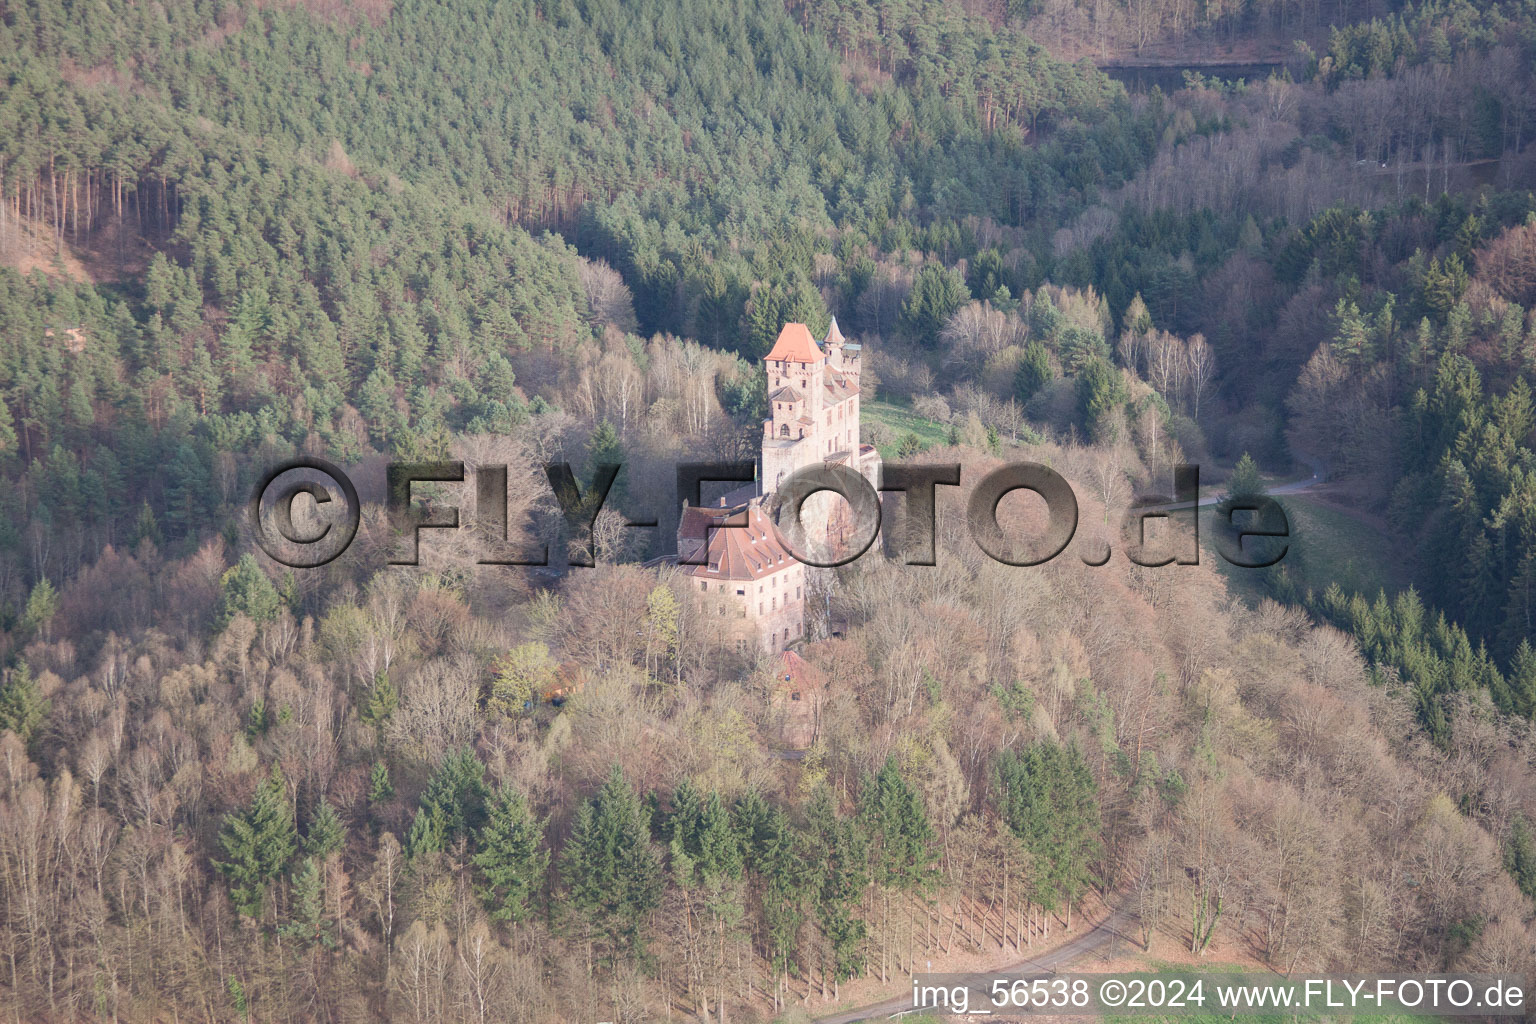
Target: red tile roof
[[750, 548], [796, 345], [795, 671]]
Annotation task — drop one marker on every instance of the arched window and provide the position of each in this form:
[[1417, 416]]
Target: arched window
[[784, 430]]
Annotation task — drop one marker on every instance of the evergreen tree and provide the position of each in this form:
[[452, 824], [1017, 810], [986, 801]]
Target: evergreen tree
[[836, 854], [1520, 855], [42, 606], [23, 708], [611, 869], [1100, 390], [382, 701], [936, 294], [892, 816], [246, 590], [702, 828], [327, 833], [1245, 483], [1034, 371], [379, 787], [258, 843], [308, 922], [510, 859], [452, 806], [1047, 796]]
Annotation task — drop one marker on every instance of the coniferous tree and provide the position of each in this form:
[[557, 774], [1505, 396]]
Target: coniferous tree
[[611, 869], [23, 708], [510, 859], [452, 806], [379, 787], [1034, 371], [1047, 796], [327, 832], [246, 590], [936, 294], [257, 843], [307, 908], [836, 851], [1520, 855], [42, 606]]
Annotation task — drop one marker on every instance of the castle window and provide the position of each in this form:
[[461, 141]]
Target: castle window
[[759, 607], [774, 604], [784, 430], [703, 584], [795, 695], [741, 592]]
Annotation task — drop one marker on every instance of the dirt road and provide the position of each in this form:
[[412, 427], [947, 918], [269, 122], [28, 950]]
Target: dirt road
[[1103, 936]]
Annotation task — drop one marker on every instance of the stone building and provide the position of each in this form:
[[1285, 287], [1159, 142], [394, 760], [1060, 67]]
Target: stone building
[[738, 562], [732, 551]]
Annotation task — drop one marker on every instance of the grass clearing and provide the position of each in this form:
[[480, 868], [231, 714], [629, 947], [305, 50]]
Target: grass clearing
[[1328, 546], [894, 420]]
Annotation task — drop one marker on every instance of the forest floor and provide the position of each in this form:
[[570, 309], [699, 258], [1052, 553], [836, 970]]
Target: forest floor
[[27, 247], [114, 251]]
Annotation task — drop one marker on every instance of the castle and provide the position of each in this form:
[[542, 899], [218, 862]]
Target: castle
[[813, 417]]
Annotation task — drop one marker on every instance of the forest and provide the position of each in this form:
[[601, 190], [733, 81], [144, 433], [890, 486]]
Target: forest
[[232, 232]]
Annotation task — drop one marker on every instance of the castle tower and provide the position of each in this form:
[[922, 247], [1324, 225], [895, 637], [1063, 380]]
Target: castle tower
[[813, 412], [794, 432], [813, 418]]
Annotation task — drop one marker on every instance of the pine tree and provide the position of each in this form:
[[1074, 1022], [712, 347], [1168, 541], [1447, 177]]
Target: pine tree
[[246, 590], [42, 606], [327, 832], [510, 859], [611, 869], [452, 806], [23, 708], [258, 843], [379, 787], [1034, 372], [1520, 855], [892, 815], [1048, 798], [307, 908], [836, 852], [702, 828], [382, 701], [1245, 484], [1521, 683], [1100, 389], [936, 294]]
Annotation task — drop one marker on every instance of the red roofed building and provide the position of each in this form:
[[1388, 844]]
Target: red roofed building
[[813, 406], [797, 694], [733, 551], [738, 562]]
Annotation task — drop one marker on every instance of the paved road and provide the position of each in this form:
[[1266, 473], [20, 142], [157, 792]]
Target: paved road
[[1100, 935], [1319, 474]]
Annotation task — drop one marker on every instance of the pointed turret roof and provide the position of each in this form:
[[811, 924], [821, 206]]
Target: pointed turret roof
[[834, 336], [795, 345]]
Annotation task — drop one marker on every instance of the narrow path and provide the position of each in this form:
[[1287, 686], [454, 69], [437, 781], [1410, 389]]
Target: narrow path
[[1100, 935]]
